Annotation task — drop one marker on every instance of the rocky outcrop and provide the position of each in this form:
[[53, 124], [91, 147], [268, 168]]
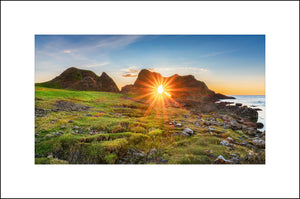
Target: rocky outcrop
[[82, 80], [182, 87]]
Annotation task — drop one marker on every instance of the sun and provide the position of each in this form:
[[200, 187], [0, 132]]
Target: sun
[[158, 93], [160, 89]]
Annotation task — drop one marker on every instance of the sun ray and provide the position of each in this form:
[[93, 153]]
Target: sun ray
[[158, 92]]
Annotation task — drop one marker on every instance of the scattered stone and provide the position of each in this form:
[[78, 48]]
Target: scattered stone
[[211, 155], [61, 132], [211, 128], [188, 131], [76, 127], [71, 121], [197, 123], [50, 156], [52, 121], [139, 154], [249, 131], [184, 133], [62, 127], [57, 134], [118, 114], [178, 125], [40, 112], [258, 142], [153, 151], [91, 133], [89, 115], [49, 135], [224, 143], [229, 139], [221, 160], [234, 158], [238, 104]]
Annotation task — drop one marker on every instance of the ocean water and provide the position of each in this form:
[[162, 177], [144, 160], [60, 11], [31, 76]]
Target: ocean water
[[253, 101]]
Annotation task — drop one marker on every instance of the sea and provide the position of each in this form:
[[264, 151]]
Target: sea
[[253, 101]]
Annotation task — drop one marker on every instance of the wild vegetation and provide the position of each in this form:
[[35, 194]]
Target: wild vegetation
[[91, 127]]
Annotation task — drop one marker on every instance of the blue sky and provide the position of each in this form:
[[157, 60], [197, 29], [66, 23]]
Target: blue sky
[[231, 64]]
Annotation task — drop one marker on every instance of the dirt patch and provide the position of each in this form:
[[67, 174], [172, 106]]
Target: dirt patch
[[69, 106]]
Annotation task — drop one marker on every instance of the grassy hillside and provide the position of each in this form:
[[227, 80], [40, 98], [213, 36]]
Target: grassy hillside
[[107, 128]]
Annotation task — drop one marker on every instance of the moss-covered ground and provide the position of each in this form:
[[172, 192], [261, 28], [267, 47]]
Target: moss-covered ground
[[113, 129]]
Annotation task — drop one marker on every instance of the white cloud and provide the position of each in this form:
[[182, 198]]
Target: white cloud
[[67, 51], [212, 54], [96, 65]]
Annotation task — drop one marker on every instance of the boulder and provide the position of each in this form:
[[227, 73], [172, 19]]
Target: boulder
[[188, 132], [221, 160], [258, 142], [224, 143], [259, 125]]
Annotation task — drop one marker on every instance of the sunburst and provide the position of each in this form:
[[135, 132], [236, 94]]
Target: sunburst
[[158, 93]]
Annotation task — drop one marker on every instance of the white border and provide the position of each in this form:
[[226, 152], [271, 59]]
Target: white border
[[278, 20]]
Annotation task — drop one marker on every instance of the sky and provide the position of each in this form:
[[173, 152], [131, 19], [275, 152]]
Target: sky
[[228, 64]]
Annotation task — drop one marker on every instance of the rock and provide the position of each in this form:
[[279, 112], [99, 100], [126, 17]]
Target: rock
[[139, 154], [89, 115], [249, 131], [238, 104], [259, 125], [186, 134], [197, 123], [91, 133], [178, 125], [224, 143], [153, 151], [225, 126], [221, 160], [57, 134], [185, 116], [211, 155], [50, 156], [76, 127], [193, 88], [258, 142], [52, 121], [71, 121], [188, 131], [257, 109], [61, 132], [84, 80], [62, 127], [40, 112], [229, 139], [211, 128], [49, 135], [234, 158], [118, 114]]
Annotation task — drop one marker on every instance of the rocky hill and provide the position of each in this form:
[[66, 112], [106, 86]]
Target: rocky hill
[[182, 87], [82, 80]]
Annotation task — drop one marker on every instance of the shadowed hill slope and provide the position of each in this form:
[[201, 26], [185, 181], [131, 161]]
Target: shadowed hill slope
[[184, 87], [82, 80]]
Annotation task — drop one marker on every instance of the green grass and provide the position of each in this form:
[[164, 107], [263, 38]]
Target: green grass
[[114, 126]]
